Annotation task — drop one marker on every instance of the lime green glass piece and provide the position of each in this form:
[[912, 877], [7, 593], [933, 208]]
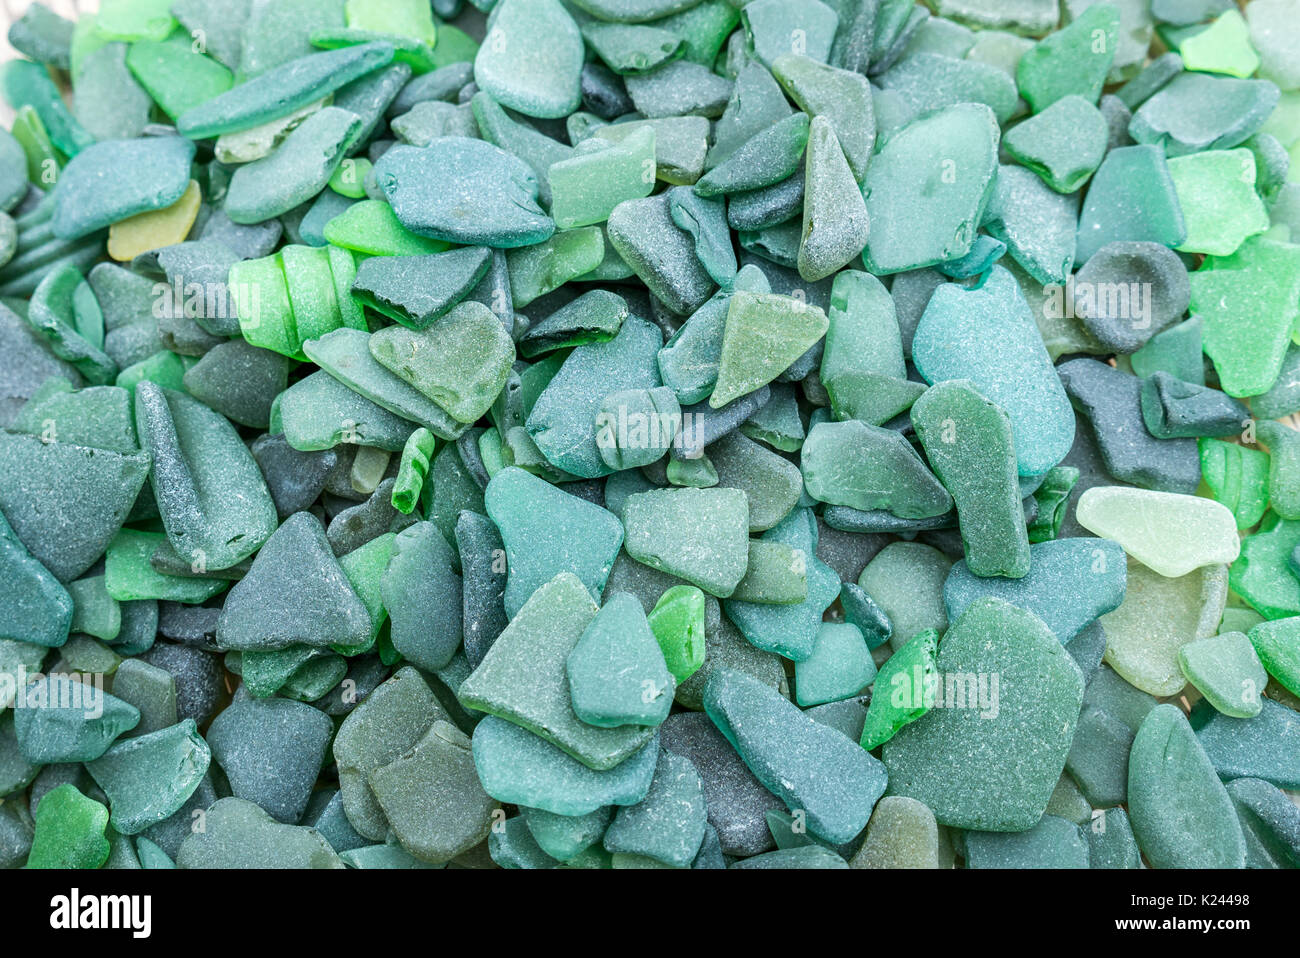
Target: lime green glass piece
[[1278, 646], [1222, 47], [408, 18], [677, 621], [586, 187], [265, 316], [310, 282], [177, 77], [131, 20], [295, 295], [414, 467], [1236, 476], [1216, 190], [898, 695], [44, 161], [350, 178], [453, 46], [69, 831], [129, 575], [1261, 576], [1249, 302], [164, 368], [371, 227]]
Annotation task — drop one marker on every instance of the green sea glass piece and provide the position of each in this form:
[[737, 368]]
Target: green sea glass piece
[[1029, 730], [537, 644], [1181, 814]]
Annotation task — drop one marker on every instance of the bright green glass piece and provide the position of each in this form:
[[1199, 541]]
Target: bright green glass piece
[[69, 831], [1237, 476], [371, 227], [1222, 47], [413, 470], [895, 700], [1278, 645], [1216, 190], [1261, 576], [677, 621], [1249, 302], [175, 75]]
